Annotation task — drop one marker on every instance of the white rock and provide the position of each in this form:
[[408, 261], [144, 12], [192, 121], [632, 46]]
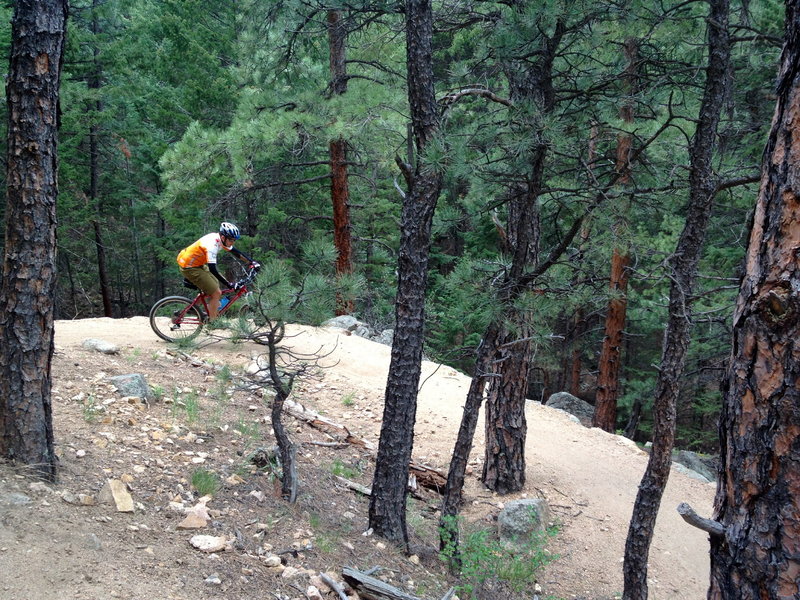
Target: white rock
[[312, 593], [289, 572], [272, 560], [116, 492], [209, 543]]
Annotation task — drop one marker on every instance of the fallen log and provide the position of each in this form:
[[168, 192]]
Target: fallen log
[[425, 476], [371, 588]]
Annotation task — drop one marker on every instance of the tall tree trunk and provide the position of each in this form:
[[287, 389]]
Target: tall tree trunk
[[387, 514], [605, 411], [29, 266], [605, 415], [683, 267], [758, 493], [523, 236], [340, 193], [506, 426], [94, 83]]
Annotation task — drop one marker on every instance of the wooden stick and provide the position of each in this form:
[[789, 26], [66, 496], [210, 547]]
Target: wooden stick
[[361, 489], [371, 588], [692, 518], [334, 586]]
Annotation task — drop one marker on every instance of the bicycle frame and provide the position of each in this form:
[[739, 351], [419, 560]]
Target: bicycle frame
[[200, 299]]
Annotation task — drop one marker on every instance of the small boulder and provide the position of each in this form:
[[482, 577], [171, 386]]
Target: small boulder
[[521, 518], [101, 346], [705, 466], [116, 492], [346, 322], [209, 543], [572, 405], [385, 337], [133, 384]]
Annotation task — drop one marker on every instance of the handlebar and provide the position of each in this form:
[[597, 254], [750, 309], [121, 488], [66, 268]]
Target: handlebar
[[247, 279]]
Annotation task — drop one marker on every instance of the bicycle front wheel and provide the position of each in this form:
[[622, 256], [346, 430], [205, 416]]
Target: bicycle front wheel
[[174, 318]]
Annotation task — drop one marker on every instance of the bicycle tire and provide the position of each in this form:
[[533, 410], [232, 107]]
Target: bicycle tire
[[164, 312]]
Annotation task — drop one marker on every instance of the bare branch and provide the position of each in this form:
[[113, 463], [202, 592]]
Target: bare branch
[[710, 526], [454, 97]]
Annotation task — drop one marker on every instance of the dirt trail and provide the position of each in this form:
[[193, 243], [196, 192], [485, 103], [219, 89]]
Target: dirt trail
[[589, 477]]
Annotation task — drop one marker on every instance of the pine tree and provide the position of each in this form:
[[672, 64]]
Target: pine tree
[[28, 287]]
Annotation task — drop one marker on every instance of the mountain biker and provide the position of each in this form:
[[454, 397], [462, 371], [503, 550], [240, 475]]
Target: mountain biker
[[198, 263]]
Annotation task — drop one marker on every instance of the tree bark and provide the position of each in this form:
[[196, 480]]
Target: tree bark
[[609, 366], [758, 493], [702, 186], [605, 412], [340, 192], [506, 426], [387, 515], [94, 83], [29, 265]]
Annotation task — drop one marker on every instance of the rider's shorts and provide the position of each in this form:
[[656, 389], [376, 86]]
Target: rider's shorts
[[202, 278]]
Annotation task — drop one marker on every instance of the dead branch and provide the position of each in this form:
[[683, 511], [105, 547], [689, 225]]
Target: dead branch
[[334, 586], [710, 526], [361, 489], [427, 477], [371, 588]]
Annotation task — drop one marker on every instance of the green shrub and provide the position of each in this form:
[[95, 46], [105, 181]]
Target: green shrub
[[207, 483]]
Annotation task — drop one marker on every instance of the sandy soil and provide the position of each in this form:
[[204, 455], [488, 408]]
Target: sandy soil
[[54, 548]]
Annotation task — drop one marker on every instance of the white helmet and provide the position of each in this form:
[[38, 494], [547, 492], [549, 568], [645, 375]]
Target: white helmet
[[229, 230]]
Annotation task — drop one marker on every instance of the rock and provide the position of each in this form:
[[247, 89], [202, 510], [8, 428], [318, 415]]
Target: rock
[[312, 593], [520, 518], [15, 499], [574, 406], [193, 521], [40, 487], [209, 543], [133, 384], [272, 560], [115, 492], [290, 572], [363, 331], [385, 337], [343, 322], [213, 579], [101, 346], [689, 472], [704, 465]]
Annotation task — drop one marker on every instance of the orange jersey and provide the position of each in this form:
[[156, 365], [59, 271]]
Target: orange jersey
[[203, 251]]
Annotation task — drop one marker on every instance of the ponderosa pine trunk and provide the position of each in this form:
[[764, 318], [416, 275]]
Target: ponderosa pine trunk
[[683, 267], [340, 191], [29, 265], [387, 505], [610, 363], [758, 493], [506, 429], [506, 425]]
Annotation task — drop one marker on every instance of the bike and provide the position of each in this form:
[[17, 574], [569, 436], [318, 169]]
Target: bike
[[176, 318]]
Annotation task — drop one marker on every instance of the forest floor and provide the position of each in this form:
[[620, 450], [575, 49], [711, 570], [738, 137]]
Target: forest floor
[[60, 542]]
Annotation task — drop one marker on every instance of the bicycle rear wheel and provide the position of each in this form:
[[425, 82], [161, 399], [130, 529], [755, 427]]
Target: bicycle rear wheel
[[174, 318]]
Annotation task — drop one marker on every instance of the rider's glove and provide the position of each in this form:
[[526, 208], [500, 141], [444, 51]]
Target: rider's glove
[[237, 285], [255, 265]]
